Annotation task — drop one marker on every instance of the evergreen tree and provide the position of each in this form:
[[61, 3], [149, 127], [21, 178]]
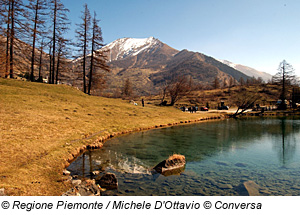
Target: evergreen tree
[[285, 77]]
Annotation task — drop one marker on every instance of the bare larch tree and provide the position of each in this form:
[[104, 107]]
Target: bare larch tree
[[83, 37], [13, 13], [98, 65], [37, 12], [60, 25]]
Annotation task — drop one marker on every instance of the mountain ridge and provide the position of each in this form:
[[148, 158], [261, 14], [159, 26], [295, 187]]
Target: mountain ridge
[[248, 70], [148, 63]]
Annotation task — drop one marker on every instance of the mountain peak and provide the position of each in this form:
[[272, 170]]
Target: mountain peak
[[125, 47], [248, 70]]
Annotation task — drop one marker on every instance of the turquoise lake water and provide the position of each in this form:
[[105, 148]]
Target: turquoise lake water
[[220, 157]]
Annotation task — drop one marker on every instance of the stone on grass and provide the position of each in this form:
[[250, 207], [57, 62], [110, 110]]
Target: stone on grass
[[66, 172]]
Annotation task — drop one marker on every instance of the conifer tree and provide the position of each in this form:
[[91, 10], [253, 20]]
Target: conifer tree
[[62, 53], [36, 17], [127, 88], [98, 57], [242, 81], [17, 29], [41, 60], [216, 83], [83, 36], [285, 77], [5, 30], [59, 27]]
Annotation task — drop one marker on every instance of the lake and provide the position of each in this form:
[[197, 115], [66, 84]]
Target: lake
[[220, 155]]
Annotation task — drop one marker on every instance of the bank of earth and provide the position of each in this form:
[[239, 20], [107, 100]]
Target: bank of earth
[[44, 127]]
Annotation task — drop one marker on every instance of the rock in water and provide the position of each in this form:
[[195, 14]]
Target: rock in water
[[173, 165], [108, 181], [252, 188]]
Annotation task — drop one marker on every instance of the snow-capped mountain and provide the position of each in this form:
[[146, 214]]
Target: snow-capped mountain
[[248, 70], [150, 63], [126, 47]]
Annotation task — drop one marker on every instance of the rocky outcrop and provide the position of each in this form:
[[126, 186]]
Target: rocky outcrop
[[108, 181], [174, 165]]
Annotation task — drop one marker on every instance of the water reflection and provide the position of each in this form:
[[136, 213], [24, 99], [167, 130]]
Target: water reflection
[[285, 141], [219, 155]]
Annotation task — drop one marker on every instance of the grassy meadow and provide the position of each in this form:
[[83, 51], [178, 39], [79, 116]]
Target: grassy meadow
[[41, 125]]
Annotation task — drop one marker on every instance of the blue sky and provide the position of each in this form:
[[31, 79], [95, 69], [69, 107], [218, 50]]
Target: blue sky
[[256, 33]]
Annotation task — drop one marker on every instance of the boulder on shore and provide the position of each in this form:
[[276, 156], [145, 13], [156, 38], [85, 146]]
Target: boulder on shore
[[108, 181], [85, 188], [174, 165], [2, 192]]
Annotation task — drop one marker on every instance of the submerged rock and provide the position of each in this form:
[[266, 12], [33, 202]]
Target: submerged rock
[[252, 188], [174, 165], [222, 163], [241, 165], [108, 181], [224, 186]]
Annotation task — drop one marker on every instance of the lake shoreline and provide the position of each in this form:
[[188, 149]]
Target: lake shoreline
[[100, 141], [123, 152], [223, 116]]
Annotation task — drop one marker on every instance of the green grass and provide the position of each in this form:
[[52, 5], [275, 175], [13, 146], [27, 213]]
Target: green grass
[[41, 125]]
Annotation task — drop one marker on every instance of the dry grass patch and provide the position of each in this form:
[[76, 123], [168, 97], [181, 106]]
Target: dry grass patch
[[41, 125]]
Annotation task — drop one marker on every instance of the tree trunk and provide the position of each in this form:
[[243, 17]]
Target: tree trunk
[[40, 63], [84, 57], [92, 62], [50, 66], [33, 42], [54, 41], [57, 70], [7, 40], [12, 35]]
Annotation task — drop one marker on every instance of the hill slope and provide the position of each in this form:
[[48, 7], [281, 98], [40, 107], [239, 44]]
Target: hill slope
[[41, 125]]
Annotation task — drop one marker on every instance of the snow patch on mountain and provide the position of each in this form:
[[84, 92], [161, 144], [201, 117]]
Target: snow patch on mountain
[[125, 47], [248, 70], [228, 63]]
